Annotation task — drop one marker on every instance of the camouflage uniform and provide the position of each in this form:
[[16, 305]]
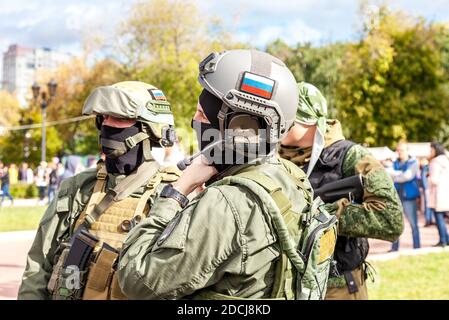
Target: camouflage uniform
[[58, 225], [223, 241], [223, 244], [71, 206], [379, 216]]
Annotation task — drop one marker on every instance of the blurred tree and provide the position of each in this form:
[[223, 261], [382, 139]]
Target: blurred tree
[[161, 43], [392, 83], [316, 65], [13, 143], [10, 107], [75, 81]]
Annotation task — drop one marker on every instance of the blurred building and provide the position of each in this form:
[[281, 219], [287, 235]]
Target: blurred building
[[21, 64]]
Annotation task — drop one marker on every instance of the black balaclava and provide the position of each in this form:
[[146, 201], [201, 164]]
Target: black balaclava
[[128, 162], [211, 106]]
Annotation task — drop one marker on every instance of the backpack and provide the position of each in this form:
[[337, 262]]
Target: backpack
[[307, 240]]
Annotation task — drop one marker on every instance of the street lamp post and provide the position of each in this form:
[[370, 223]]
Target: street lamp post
[[45, 101]]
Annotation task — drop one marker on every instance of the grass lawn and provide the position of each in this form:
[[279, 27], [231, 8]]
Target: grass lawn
[[411, 277], [20, 218]]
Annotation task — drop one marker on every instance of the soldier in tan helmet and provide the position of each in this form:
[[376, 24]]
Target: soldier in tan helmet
[[75, 252]]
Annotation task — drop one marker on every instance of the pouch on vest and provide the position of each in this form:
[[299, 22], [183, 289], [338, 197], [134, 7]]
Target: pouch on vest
[[350, 253], [100, 274], [108, 224]]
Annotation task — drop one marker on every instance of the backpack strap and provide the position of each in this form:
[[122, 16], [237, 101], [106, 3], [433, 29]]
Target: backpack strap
[[278, 206], [283, 286], [275, 191]]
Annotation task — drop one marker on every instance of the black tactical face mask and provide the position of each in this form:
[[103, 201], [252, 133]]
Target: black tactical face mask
[[208, 133], [128, 162]]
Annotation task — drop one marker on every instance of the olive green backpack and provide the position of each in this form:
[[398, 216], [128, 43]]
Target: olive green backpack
[[307, 240]]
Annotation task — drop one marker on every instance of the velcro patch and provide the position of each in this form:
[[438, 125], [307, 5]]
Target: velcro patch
[[157, 94], [257, 85]]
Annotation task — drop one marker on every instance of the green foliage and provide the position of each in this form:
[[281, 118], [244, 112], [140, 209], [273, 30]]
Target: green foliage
[[13, 143], [316, 65], [162, 42], [392, 83], [24, 191]]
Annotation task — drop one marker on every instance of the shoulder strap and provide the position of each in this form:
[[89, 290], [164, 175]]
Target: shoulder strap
[[168, 174], [283, 281], [143, 173], [275, 191], [276, 203], [95, 197]]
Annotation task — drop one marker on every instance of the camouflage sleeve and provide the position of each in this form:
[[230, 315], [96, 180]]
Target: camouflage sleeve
[[39, 260], [173, 253], [380, 215], [53, 228]]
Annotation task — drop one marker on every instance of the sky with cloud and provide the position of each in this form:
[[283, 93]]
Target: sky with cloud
[[59, 24]]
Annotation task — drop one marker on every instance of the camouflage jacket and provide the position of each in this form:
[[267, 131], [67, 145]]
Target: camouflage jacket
[[222, 240], [379, 216], [56, 226]]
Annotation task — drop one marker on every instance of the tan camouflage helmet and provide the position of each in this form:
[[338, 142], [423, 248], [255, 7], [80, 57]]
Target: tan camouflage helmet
[[135, 100]]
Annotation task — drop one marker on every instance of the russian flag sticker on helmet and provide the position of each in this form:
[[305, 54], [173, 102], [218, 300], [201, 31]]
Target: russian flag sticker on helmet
[[257, 85], [157, 94]]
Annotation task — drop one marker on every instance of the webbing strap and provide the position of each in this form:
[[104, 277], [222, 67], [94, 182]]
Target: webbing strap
[[147, 156], [136, 179], [286, 241], [275, 191], [282, 286], [94, 198], [120, 148], [112, 144], [151, 188]]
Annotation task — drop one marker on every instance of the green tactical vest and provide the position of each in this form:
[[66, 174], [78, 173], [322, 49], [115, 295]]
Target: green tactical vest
[[307, 240], [100, 280]]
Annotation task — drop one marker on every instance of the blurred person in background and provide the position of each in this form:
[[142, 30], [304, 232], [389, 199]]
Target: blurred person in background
[[4, 177], [405, 176], [52, 180], [41, 180], [61, 169], [424, 183], [439, 189], [26, 174], [23, 172], [13, 174], [72, 167], [92, 162], [173, 154]]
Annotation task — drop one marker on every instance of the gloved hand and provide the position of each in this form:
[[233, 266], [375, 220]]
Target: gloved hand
[[337, 208]]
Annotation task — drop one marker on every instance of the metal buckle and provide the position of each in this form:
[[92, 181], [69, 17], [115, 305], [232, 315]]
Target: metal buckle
[[101, 175], [130, 143]]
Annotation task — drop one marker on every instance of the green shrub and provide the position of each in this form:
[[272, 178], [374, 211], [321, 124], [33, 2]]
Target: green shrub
[[24, 191]]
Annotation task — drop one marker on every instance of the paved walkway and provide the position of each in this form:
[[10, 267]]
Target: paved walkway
[[14, 247]]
